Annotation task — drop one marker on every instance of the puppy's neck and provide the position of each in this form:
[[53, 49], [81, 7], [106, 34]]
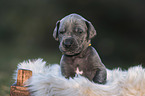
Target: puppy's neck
[[84, 52]]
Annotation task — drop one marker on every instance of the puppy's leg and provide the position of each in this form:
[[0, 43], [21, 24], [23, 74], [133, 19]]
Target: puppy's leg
[[100, 76], [67, 71]]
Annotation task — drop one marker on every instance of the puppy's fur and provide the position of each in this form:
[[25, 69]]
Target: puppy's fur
[[74, 34]]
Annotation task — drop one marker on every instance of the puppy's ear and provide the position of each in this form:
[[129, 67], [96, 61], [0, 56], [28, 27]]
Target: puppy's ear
[[55, 32], [91, 32]]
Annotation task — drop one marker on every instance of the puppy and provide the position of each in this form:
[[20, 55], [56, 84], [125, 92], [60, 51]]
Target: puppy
[[74, 34]]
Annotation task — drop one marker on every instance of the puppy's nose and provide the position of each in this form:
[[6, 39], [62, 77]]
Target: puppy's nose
[[68, 42]]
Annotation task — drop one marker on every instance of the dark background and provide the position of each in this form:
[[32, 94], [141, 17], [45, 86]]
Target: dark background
[[26, 28]]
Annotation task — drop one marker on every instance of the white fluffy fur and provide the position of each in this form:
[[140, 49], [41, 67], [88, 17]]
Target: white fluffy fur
[[48, 81]]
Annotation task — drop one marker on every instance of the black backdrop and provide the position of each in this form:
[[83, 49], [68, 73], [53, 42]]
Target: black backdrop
[[26, 28]]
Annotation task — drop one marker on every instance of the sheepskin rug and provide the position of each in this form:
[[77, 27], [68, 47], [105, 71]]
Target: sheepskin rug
[[48, 81]]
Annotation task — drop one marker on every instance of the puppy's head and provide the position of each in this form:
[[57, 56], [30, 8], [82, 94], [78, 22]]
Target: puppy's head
[[74, 34]]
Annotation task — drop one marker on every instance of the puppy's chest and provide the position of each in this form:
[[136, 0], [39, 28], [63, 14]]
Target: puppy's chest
[[80, 64], [79, 61]]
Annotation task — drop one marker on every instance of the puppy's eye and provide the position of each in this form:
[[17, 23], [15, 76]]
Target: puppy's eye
[[80, 31]]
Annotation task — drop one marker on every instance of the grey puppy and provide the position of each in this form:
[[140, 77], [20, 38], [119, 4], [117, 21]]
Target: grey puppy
[[74, 34]]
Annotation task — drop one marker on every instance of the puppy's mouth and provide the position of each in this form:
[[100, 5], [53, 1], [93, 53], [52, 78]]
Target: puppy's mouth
[[71, 49]]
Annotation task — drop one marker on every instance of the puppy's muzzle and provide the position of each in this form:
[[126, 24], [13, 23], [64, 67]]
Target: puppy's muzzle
[[67, 43]]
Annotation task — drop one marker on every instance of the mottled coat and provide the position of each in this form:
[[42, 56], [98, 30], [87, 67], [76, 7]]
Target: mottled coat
[[74, 34]]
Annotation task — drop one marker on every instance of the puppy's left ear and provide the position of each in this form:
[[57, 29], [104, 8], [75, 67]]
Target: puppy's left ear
[[55, 32], [91, 32]]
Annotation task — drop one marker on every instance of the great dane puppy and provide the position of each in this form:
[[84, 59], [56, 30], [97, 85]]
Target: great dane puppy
[[74, 34]]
